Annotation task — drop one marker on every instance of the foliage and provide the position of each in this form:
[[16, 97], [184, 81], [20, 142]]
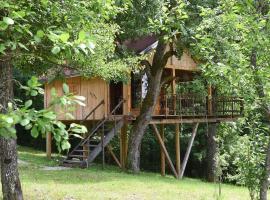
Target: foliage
[[45, 120], [227, 40], [242, 154], [75, 34]]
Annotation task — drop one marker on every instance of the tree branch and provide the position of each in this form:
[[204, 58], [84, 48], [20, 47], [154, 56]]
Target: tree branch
[[148, 66], [168, 79], [167, 55]]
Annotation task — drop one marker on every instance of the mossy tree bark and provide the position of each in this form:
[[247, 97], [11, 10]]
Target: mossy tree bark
[[154, 85], [11, 186]]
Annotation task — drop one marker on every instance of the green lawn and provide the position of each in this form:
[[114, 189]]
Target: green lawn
[[95, 183]]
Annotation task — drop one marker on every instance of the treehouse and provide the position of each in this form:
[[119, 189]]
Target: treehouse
[[110, 107]]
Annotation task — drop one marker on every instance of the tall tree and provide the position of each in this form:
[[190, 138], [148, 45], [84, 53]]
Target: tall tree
[[158, 18], [234, 40], [38, 35], [170, 21]]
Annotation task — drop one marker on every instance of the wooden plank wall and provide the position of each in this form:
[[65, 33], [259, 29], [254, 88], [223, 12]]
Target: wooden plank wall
[[94, 90], [127, 97], [185, 63]]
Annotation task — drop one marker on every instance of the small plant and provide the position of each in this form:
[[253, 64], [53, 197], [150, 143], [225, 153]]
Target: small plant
[[40, 122]]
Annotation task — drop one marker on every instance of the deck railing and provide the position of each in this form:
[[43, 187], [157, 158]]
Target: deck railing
[[198, 106]]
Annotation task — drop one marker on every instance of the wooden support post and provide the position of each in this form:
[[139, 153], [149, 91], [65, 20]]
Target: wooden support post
[[164, 150], [49, 145], [109, 147], [190, 143], [177, 149], [162, 155], [123, 146], [174, 91]]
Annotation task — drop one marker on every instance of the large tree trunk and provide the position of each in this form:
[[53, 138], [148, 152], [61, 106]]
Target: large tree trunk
[[211, 152], [11, 186], [148, 105]]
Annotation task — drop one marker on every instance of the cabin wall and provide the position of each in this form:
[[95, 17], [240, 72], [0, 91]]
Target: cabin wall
[[127, 97], [184, 63], [94, 90]]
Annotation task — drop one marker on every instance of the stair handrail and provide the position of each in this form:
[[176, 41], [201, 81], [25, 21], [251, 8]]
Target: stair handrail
[[100, 123], [105, 119], [117, 106], [102, 102]]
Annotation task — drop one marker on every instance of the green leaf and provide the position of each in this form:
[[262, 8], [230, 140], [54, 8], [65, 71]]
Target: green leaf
[[40, 33], [77, 136], [9, 120], [82, 35], [65, 145], [69, 116], [34, 132], [56, 50], [28, 103], [2, 47], [81, 98], [64, 37], [23, 46], [57, 137], [3, 26], [65, 88], [8, 20], [12, 132], [34, 93], [25, 122], [50, 115]]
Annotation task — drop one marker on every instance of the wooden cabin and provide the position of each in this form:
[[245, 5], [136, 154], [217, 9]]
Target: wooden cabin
[[119, 104]]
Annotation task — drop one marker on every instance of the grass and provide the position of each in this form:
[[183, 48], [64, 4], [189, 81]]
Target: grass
[[111, 184]]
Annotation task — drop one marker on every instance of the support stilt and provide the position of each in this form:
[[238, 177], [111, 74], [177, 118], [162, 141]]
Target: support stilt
[[162, 155], [109, 147], [123, 146], [164, 150], [177, 149], [49, 145], [190, 143]]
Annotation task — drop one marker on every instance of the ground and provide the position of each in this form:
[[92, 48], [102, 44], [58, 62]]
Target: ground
[[41, 181]]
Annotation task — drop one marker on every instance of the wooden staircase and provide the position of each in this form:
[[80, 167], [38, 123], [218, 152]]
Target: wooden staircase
[[98, 138]]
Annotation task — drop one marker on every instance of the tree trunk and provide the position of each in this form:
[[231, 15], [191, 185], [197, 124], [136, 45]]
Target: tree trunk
[[148, 105], [11, 186], [211, 153], [264, 185]]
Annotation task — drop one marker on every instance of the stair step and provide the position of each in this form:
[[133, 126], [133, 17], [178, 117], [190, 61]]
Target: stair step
[[77, 150], [77, 156], [73, 161], [90, 145]]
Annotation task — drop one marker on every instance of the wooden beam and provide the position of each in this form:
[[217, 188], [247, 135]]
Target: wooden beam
[[164, 150], [190, 143], [193, 120], [49, 145], [109, 147], [177, 149], [162, 155], [174, 91]]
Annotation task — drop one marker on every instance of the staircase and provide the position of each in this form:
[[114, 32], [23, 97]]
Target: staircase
[[98, 138]]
